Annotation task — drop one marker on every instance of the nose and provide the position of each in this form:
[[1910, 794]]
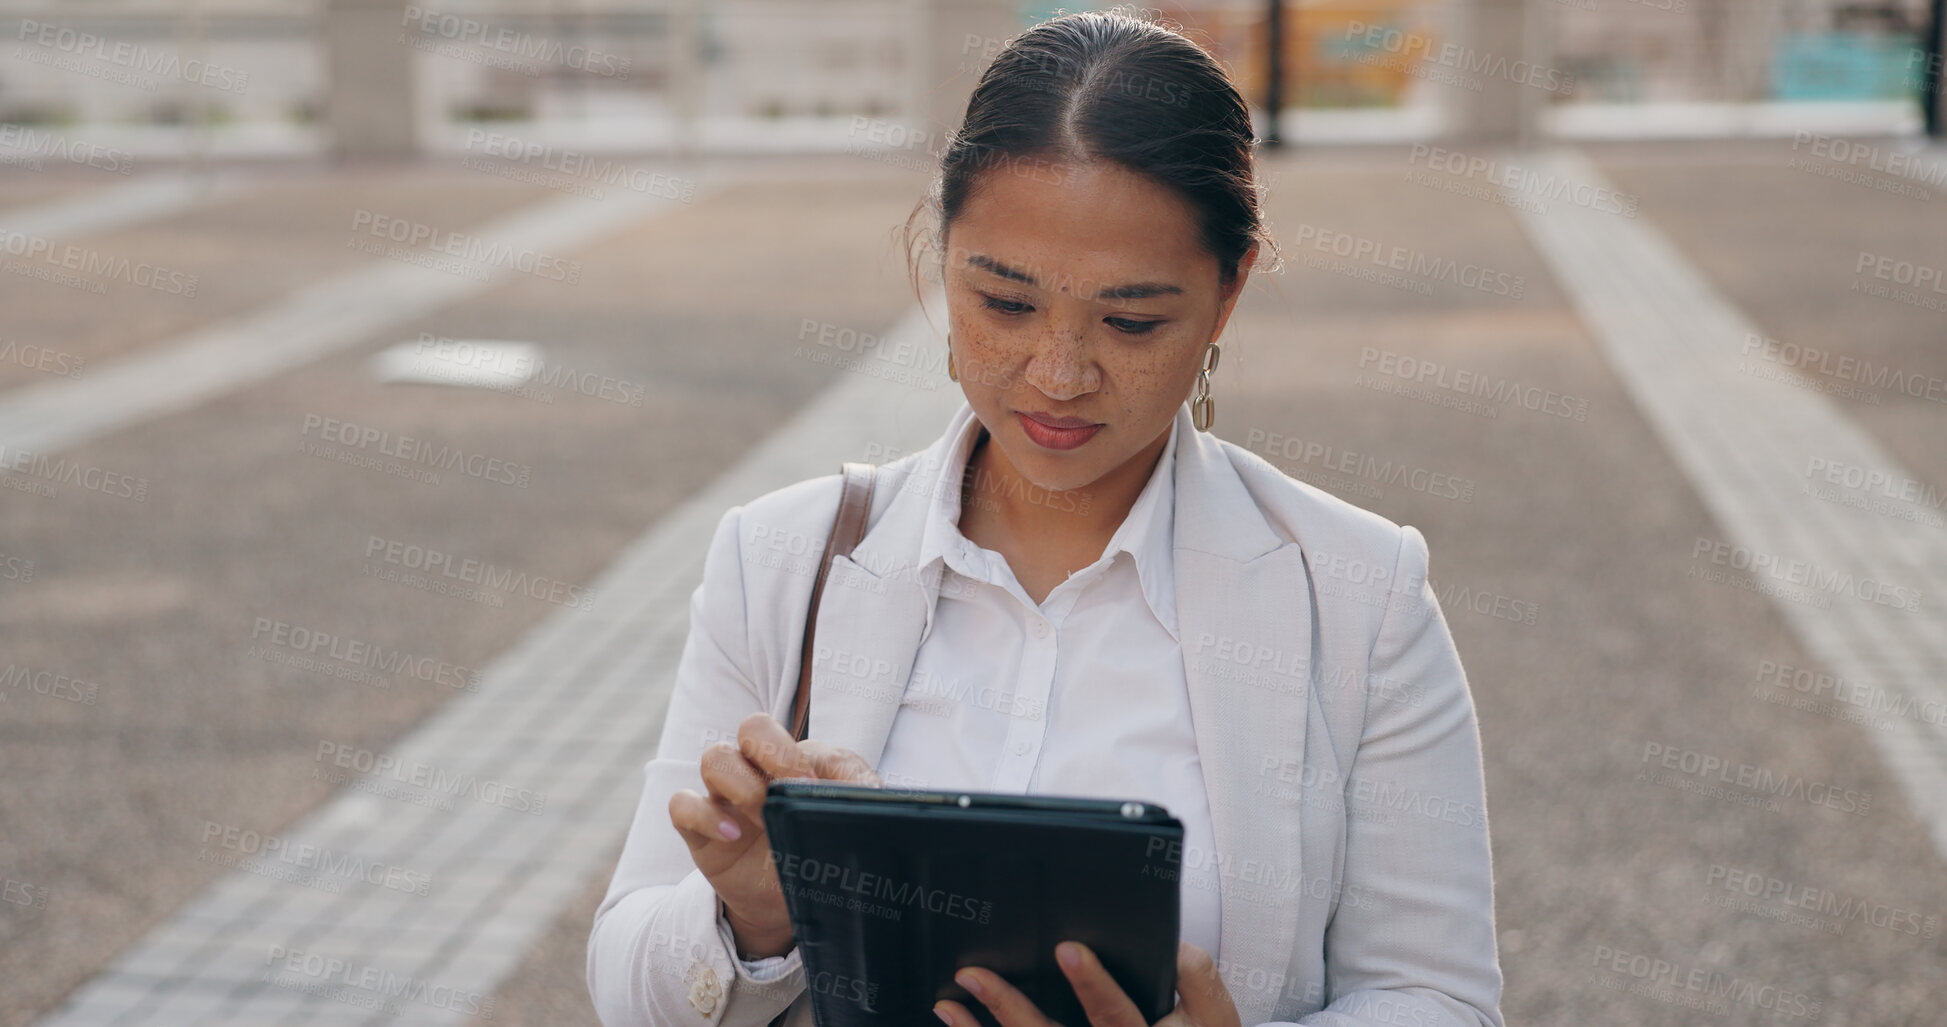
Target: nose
[[1063, 366]]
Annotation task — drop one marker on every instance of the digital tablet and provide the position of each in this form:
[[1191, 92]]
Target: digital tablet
[[891, 890]]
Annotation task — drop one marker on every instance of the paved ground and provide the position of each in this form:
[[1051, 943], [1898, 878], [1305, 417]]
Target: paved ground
[[1588, 523]]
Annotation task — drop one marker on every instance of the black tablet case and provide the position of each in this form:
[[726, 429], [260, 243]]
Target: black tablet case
[[892, 890]]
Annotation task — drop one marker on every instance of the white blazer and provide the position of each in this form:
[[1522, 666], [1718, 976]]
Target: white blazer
[[1332, 718]]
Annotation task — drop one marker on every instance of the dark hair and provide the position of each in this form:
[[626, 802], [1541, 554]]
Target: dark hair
[[1108, 85]]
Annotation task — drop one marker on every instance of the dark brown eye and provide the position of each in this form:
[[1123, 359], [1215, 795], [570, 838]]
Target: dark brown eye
[[1123, 324], [1005, 306]]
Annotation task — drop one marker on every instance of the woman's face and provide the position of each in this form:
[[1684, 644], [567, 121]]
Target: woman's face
[[1078, 291]]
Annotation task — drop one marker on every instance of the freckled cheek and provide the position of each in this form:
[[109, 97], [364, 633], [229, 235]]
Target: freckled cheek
[[996, 354], [1156, 375]]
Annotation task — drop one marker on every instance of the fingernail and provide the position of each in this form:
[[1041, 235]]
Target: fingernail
[[967, 981], [1070, 956], [941, 1013], [730, 830]]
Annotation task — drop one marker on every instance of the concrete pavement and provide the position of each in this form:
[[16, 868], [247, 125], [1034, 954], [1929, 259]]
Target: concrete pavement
[[1562, 536]]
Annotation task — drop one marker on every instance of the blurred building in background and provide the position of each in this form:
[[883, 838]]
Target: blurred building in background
[[257, 76]]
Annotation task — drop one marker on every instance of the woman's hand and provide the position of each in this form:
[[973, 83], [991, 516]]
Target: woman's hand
[[1202, 999], [725, 831]]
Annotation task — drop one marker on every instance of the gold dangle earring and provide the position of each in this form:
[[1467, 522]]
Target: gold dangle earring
[[951, 374], [1203, 409]]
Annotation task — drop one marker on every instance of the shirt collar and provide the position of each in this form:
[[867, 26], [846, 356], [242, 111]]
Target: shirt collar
[[1146, 533]]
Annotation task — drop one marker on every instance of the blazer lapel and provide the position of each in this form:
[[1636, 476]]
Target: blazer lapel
[[1243, 602], [875, 610], [869, 630], [1244, 618]]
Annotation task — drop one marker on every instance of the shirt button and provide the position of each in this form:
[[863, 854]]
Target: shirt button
[[1020, 748], [1041, 629]]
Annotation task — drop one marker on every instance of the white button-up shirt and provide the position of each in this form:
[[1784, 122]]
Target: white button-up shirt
[[1083, 694]]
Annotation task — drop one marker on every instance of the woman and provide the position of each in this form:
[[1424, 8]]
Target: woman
[[1077, 590]]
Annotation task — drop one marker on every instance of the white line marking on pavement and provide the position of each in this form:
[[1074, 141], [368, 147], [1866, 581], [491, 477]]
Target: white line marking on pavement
[[318, 320], [571, 712], [122, 205], [467, 363], [1746, 443]]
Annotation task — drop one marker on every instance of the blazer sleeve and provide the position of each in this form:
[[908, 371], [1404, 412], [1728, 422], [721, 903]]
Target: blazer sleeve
[[1421, 953], [660, 951]]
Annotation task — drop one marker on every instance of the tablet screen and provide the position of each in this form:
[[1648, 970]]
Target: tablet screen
[[892, 890]]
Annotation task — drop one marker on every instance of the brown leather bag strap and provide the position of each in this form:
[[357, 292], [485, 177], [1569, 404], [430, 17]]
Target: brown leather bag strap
[[854, 503]]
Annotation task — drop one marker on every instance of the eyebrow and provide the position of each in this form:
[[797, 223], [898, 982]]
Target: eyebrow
[[1133, 291]]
